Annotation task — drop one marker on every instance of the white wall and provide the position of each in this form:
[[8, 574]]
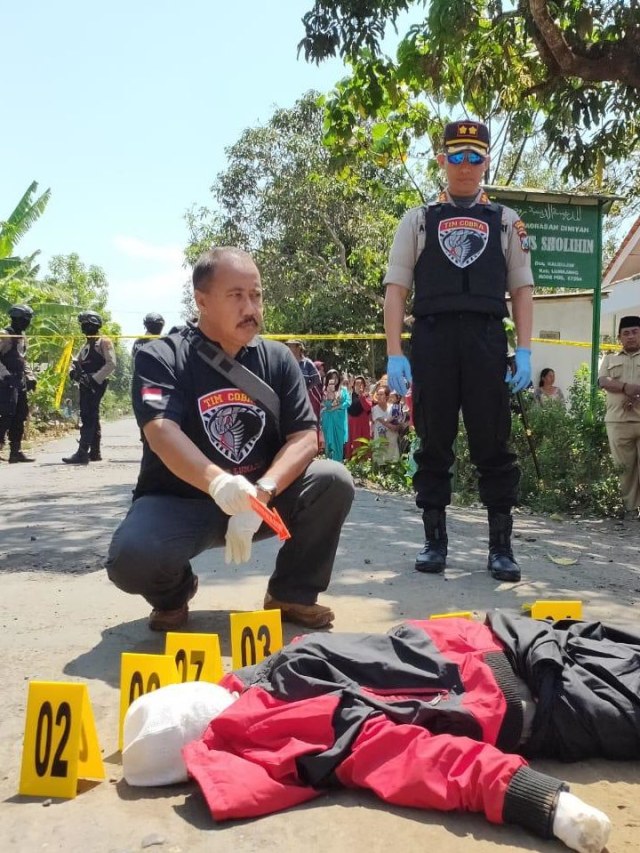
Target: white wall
[[572, 318], [622, 299]]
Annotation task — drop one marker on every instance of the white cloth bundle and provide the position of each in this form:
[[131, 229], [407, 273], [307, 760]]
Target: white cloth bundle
[[158, 724]]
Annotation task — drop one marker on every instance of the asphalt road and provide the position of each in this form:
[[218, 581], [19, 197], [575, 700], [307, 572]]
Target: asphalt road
[[62, 620]]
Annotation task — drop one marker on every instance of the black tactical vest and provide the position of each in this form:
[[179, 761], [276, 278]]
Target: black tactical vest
[[462, 266], [14, 358], [90, 359]]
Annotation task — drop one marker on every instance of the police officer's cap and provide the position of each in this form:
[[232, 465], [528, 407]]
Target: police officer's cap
[[153, 319], [90, 317], [466, 136], [23, 312]]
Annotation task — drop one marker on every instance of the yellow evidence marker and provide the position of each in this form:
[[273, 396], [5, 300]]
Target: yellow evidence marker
[[197, 656], [254, 636], [140, 674], [60, 740], [459, 614], [556, 610]]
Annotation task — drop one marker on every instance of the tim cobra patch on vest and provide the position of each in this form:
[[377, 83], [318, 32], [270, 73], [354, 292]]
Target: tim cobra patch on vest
[[463, 239], [232, 421]]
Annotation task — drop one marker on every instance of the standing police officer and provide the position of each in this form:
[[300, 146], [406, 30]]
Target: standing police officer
[[461, 253], [153, 324], [91, 367], [16, 379]]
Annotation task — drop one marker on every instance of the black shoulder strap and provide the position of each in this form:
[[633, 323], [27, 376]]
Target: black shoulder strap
[[242, 378]]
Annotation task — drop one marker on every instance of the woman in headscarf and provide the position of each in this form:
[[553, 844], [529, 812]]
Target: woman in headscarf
[[358, 415], [333, 416]]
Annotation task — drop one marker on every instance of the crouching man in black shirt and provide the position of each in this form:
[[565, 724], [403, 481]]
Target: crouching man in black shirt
[[209, 446]]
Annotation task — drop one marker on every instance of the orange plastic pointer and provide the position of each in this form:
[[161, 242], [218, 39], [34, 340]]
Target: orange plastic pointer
[[271, 516]]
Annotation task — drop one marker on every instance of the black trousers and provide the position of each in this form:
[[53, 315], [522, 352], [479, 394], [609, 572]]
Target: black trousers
[[459, 362], [151, 550], [90, 415], [13, 424]]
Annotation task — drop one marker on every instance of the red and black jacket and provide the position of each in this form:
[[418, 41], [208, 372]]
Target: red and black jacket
[[426, 716]]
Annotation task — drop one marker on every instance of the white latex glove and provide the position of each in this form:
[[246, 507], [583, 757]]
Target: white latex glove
[[579, 826], [239, 536], [231, 493]]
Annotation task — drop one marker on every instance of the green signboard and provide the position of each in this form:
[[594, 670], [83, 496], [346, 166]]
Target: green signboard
[[563, 239]]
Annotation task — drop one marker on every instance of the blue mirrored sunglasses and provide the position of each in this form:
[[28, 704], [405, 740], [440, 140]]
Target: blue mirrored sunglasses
[[470, 156]]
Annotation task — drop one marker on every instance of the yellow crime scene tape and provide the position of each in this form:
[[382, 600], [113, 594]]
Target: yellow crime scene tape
[[325, 336], [62, 366]]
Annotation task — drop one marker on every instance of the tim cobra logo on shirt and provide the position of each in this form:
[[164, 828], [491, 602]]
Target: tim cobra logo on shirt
[[463, 239], [232, 421]]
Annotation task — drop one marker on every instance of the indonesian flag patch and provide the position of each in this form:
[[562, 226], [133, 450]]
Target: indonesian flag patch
[[151, 395], [463, 239]]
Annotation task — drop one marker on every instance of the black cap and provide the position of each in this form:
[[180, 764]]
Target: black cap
[[629, 322], [466, 136]]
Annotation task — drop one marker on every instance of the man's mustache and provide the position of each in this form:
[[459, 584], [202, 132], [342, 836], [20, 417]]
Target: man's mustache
[[248, 321]]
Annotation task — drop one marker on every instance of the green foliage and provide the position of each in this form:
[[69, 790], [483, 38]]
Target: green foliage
[[578, 475], [573, 64], [27, 211], [319, 230], [572, 449], [366, 468], [68, 288]]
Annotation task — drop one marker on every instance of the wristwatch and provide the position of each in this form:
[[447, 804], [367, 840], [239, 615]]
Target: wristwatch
[[268, 486]]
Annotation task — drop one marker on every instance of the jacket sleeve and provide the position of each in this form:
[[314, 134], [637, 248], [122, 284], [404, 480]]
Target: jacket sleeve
[[5, 346], [247, 761], [109, 355], [408, 766]]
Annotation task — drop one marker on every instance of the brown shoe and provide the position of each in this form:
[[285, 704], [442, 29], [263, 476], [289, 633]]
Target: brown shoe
[[307, 615], [172, 620], [169, 620]]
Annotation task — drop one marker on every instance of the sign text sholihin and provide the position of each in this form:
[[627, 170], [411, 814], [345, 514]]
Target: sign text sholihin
[[563, 240]]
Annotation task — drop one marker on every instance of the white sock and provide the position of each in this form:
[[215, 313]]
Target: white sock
[[579, 826]]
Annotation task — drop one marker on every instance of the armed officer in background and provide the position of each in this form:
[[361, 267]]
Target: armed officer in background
[[91, 367], [153, 324], [16, 379], [462, 253]]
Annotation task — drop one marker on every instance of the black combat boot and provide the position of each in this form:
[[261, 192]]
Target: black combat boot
[[80, 457], [19, 456], [94, 454], [501, 564], [433, 557]]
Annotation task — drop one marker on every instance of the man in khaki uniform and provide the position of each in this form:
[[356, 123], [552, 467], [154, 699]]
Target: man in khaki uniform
[[619, 375], [461, 254]]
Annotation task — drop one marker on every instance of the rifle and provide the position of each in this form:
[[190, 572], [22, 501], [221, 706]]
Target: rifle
[[80, 376]]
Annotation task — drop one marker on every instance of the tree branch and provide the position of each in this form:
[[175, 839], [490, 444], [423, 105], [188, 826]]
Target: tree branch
[[618, 62], [354, 286], [338, 242]]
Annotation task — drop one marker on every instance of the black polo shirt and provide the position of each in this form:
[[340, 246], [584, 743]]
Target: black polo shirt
[[172, 381]]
